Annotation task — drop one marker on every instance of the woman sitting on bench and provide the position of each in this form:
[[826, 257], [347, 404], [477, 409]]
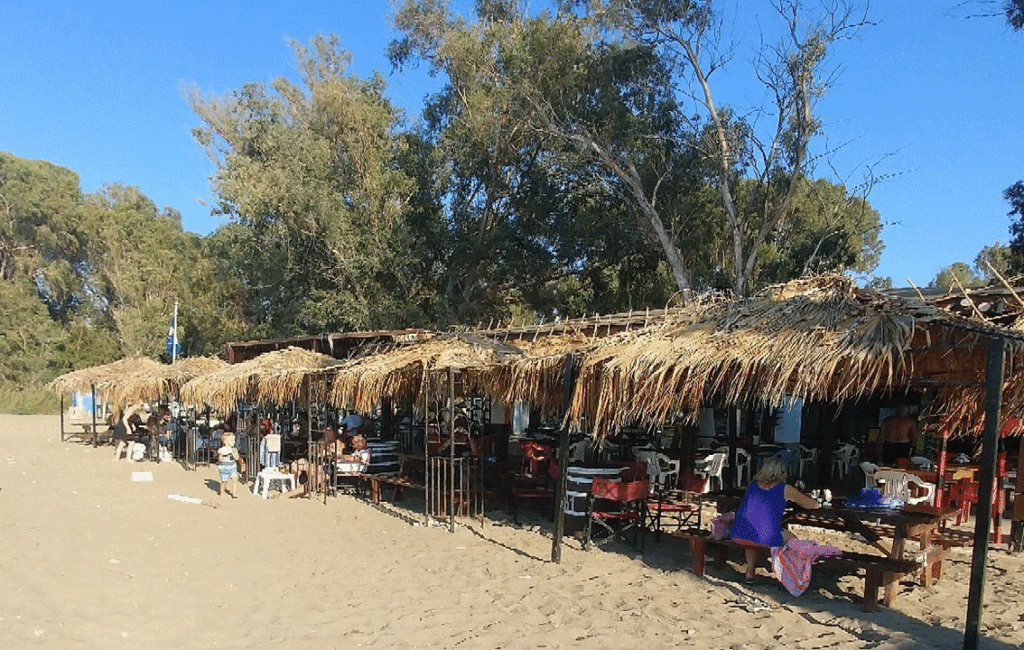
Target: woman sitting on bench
[[759, 519]]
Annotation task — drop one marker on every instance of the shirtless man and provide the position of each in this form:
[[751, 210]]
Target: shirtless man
[[898, 437]]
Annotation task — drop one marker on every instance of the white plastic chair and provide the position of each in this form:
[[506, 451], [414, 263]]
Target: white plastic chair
[[897, 484], [805, 456], [922, 462], [711, 469], [844, 458], [869, 474], [662, 470], [578, 451]]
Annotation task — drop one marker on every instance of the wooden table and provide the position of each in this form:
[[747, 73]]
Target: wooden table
[[919, 522]]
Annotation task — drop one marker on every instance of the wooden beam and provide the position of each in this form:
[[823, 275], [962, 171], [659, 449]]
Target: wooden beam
[[994, 371], [563, 460]]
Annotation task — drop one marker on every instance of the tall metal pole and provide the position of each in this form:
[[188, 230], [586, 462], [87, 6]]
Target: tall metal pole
[[451, 449], [95, 433], [994, 369], [174, 337], [563, 460]]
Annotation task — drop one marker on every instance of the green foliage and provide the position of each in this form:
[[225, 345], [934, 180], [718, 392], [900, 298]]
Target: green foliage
[[311, 177], [992, 260], [826, 231], [87, 279], [957, 274], [1014, 195], [1014, 10]]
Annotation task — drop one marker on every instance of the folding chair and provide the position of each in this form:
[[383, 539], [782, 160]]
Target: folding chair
[[676, 506], [618, 506]]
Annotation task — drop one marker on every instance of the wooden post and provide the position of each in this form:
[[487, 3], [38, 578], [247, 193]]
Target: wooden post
[[943, 460], [994, 370], [1017, 529], [62, 417], [568, 386]]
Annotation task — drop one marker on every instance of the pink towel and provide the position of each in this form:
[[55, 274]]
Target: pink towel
[[791, 562]]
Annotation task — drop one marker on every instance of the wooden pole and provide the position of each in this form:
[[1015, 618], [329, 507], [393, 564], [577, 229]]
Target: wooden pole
[[62, 417], [994, 370], [943, 461], [568, 387], [1017, 527]]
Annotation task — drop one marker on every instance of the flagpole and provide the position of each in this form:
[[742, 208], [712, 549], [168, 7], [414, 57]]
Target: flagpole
[[174, 340]]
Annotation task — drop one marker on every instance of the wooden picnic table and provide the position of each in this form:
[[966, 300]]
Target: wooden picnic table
[[918, 522]]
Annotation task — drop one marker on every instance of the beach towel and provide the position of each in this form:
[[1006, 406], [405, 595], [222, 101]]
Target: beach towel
[[791, 562]]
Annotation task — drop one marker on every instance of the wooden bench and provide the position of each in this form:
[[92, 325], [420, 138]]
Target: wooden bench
[[880, 571]]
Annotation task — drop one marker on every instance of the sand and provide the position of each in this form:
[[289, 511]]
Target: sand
[[94, 560]]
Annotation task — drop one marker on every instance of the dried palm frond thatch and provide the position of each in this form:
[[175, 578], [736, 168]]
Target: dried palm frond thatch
[[105, 378], [165, 381], [818, 339], [272, 378], [404, 370]]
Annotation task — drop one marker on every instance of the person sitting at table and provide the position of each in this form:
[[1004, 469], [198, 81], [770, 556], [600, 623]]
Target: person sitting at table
[[307, 476], [357, 454], [897, 437], [759, 518]]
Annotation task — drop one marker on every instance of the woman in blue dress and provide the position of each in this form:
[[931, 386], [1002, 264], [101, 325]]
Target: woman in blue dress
[[759, 519]]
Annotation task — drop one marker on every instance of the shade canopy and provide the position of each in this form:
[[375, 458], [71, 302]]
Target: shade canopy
[[402, 371], [273, 378], [165, 380], [104, 378]]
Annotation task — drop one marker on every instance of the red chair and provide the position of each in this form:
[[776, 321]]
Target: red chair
[[536, 478], [535, 457], [618, 506], [674, 506]]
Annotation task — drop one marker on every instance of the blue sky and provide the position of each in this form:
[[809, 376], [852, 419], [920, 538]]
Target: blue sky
[[925, 95]]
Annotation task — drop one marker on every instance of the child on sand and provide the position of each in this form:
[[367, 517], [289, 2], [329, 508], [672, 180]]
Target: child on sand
[[227, 464]]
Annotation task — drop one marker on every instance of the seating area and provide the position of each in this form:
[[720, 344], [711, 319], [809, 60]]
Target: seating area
[[879, 572]]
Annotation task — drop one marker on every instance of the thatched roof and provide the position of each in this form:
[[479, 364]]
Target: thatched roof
[[272, 378], [164, 381], [402, 371], [105, 378], [820, 339]]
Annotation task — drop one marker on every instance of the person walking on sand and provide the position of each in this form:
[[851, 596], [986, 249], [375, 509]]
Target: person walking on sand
[[227, 464]]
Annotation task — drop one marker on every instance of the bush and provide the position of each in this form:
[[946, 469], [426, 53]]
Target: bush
[[28, 400]]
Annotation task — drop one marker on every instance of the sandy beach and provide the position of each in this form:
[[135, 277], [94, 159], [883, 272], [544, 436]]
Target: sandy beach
[[92, 559]]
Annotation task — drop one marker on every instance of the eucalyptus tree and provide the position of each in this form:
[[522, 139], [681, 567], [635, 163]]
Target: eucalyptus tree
[[88, 278], [619, 95], [770, 161], [829, 229], [561, 155], [312, 173]]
